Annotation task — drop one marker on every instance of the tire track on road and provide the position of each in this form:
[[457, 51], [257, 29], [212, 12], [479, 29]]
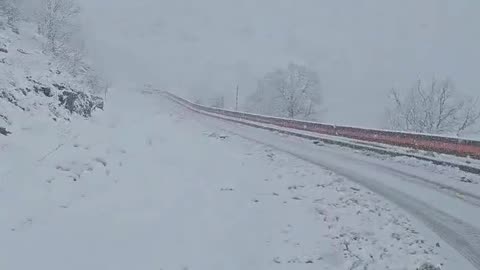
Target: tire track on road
[[459, 234]]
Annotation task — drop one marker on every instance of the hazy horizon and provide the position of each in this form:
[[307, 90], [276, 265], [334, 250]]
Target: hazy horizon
[[99, 170], [360, 49]]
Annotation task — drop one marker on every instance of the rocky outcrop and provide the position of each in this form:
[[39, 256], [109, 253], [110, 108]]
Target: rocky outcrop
[[11, 98], [35, 85], [4, 131], [428, 266], [80, 103], [47, 91], [59, 101]]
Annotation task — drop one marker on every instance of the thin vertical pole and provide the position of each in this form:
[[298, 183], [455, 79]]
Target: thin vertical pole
[[236, 99]]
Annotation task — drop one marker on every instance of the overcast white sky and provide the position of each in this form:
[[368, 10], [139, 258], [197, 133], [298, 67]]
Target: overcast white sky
[[361, 49]]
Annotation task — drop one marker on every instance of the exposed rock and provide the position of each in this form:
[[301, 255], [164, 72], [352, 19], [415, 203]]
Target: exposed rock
[[47, 91], [29, 91], [79, 102], [466, 180], [428, 266], [15, 30], [5, 119], [30, 79], [24, 91], [59, 87], [11, 98], [22, 51], [4, 131]]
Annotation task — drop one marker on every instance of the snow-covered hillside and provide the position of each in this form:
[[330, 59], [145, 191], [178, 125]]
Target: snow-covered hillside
[[158, 188], [35, 89], [145, 183]]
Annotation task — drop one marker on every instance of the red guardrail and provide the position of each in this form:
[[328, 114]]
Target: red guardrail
[[434, 143]]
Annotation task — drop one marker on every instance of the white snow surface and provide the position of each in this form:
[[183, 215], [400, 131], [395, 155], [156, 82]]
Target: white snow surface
[[436, 196], [155, 188], [462, 182], [24, 65]]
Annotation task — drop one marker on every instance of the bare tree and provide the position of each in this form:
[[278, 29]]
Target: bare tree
[[55, 20], [218, 102], [72, 58], [293, 92], [9, 9], [470, 115], [436, 108], [95, 82]]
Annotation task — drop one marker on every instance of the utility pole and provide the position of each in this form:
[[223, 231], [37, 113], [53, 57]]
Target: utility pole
[[236, 99]]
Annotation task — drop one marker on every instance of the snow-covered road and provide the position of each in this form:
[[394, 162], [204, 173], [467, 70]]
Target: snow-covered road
[[161, 187], [453, 215]]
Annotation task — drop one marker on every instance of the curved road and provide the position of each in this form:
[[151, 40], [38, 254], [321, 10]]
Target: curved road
[[450, 213]]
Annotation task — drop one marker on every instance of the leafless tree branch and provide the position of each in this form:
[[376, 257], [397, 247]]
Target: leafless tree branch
[[293, 92], [436, 109]]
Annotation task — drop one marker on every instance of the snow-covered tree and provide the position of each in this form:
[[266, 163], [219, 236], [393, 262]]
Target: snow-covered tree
[[73, 58], [96, 83], [218, 102], [56, 21], [9, 10], [433, 108], [293, 92]]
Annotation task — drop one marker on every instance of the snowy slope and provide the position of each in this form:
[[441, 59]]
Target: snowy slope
[[444, 208], [35, 89], [154, 188], [157, 187]]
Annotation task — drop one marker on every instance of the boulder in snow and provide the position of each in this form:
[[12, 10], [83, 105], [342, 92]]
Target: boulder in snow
[[4, 131], [428, 266], [79, 102]]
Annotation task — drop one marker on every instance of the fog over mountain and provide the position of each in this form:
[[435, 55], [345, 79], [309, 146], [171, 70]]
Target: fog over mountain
[[361, 49]]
